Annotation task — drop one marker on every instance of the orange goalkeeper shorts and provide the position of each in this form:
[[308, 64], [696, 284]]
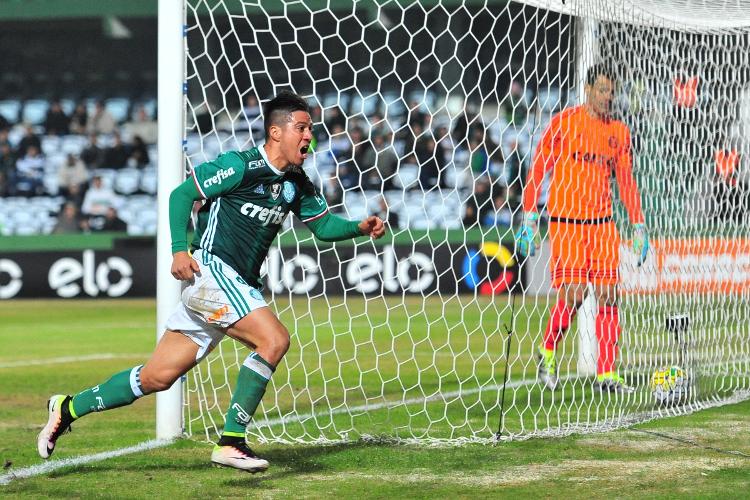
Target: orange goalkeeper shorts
[[585, 251]]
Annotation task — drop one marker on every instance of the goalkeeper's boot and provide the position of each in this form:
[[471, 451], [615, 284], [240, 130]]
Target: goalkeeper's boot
[[547, 369], [612, 383], [234, 452], [58, 424]]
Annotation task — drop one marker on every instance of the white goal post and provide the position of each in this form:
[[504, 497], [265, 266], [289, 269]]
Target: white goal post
[[432, 110]]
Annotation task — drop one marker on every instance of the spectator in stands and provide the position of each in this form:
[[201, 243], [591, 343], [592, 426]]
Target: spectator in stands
[[75, 193], [71, 173], [98, 199], [69, 221], [333, 194], [430, 164], [515, 108], [465, 121], [4, 123], [515, 172], [7, 168], [378, 125], [102, 121], [79, 119], [138, 153], [93, 155], [29, 173], [417, 116], [478, 204], [251, 111], [410, 135], [116, 156], [386, 214], [480, 160], [112, 222], [142, 125], [252, 107], [29, 139], [362, 148], [384, 159], [4, 137], [340, 143], [332, 118], [499, 214], [56, 122]]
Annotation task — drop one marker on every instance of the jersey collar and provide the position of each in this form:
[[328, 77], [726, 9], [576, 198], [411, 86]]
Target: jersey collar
[[262, 152]]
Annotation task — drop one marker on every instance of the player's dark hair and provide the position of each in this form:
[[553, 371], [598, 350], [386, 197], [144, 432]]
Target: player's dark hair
[[277, 110], [598, 70]]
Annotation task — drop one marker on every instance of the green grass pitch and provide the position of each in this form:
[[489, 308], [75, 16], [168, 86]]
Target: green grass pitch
[[388, 354]]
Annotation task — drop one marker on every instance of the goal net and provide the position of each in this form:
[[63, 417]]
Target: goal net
[[429, 113]]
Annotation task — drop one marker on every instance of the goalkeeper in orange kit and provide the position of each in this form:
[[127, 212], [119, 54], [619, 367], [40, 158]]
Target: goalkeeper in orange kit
[[583, 147]]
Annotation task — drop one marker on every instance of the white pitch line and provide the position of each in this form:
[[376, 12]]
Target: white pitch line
[[69, 359], [436, 397], [391, 404], [53, 465]]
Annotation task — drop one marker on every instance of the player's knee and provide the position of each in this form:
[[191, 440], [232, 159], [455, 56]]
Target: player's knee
[[155, 382], [279, 343]]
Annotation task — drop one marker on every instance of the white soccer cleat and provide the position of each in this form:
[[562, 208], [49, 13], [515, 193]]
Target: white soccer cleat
[[57, 424], [238, 456]]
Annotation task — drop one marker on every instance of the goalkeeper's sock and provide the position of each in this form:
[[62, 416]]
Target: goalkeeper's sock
[[558, 323], [255, 373], [607, 333], [121, 389]]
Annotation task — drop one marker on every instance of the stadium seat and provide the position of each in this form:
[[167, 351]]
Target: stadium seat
[[35, 111], [10, 109], [73, 144], [50, 181], [406, 176], [68, 106], [108, 176], [127, 181], [118, 108], [149, 181]]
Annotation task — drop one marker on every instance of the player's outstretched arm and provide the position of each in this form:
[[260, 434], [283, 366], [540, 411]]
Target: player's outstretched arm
[[331, 227], [372, 226]]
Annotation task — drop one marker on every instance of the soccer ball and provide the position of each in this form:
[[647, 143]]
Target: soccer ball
[[670, 386]]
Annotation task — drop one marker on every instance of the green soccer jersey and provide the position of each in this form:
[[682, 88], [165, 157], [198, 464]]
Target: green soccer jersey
[[248, 200]]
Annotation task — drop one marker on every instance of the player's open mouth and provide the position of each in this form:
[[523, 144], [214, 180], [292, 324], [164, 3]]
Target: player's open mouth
[[304, 150]]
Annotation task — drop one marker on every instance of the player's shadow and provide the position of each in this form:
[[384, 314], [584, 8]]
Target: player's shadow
[[295, 460]]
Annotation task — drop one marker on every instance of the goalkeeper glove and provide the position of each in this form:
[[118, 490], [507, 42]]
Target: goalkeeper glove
[[527, 238], [640, 243]]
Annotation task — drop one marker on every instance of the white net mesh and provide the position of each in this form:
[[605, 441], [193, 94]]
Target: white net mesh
[[432, 111]]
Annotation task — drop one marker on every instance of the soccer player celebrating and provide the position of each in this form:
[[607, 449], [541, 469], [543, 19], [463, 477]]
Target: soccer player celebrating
[[583, 146], [248, 194]]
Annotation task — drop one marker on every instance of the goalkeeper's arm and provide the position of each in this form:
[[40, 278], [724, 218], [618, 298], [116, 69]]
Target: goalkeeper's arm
[[631, 198]]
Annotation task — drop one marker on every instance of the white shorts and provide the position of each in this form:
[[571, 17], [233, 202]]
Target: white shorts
[[216, 298]]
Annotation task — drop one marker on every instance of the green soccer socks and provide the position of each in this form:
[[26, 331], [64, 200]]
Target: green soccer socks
[[254, 375], [121, 389]]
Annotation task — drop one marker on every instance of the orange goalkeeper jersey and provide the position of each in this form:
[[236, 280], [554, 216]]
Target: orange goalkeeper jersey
[[583, 152]]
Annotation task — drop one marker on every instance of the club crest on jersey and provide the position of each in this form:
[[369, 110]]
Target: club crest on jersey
[[260, 189], [275, 191], [289, 191]]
